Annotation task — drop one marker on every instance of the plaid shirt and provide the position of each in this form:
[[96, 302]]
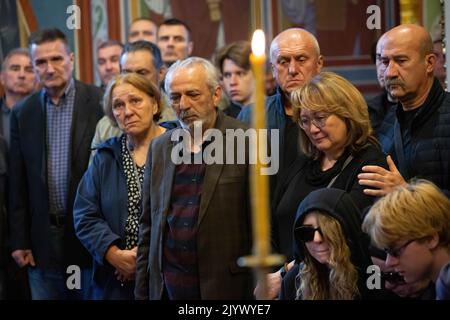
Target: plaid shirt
[[180, 267], [58, 143]]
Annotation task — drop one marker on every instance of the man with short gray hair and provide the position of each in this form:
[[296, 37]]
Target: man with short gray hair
[[18, 80], [195, 222]]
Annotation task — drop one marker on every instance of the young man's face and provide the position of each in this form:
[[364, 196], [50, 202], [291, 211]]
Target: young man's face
[[174, 43], [238, 83], [108, 62], [142, 30]]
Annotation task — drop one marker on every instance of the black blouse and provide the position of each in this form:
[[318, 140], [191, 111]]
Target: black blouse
[[305, 176]]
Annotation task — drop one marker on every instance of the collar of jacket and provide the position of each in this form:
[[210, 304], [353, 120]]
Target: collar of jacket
[[432, 103]]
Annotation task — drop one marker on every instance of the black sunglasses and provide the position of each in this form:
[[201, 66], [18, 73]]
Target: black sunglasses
[[306, 233], [392, 277]]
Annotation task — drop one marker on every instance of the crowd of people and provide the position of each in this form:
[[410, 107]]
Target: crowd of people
[[88, 176]]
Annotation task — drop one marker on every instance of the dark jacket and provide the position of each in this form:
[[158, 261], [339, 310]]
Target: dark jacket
[[100, 209], [429, 156], [223, 227], [232, 110], [382, 118], [3, 198], [340, 206], [275, 116], [29, 207], [275, 119], [100, 213]]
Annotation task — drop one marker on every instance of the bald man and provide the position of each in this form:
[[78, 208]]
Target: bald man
[[420, 141], [295, 58]]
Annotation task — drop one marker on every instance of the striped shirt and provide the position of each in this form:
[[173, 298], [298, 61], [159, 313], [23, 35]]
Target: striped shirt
[[58, 145], [180, 267]]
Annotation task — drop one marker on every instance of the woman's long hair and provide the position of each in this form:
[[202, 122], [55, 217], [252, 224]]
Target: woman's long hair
[[338, 280]]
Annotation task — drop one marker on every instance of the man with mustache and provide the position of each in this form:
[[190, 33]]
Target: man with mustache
[[195, 222], [420, 141]]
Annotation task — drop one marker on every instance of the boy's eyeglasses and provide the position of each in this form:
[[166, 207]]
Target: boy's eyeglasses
[[396, 252]]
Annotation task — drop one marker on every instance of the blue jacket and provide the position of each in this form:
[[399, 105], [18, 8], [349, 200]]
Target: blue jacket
[[100, 209], [275, 115], [100, 213], [275, 119], [443, 284]]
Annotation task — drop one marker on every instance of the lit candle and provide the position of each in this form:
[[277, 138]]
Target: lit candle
[[261, 259], [259, 181]]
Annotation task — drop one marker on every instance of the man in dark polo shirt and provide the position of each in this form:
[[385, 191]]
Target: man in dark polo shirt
[[195, 222]]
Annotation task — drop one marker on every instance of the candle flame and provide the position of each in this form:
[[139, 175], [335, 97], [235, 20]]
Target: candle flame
[[258, 42]]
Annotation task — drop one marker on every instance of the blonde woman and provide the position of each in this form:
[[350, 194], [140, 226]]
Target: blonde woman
[[338, 141], [412, 224], [332, 252]]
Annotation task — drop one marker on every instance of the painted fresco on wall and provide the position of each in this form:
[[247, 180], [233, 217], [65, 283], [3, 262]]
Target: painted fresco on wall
[[9, 29], [99, 30], [213, 22], [340, 27]]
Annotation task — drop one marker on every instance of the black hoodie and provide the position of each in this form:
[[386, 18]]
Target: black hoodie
[[339, 205]]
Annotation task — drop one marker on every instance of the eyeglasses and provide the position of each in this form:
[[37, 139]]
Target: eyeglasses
[[306, 233], [396, 252], [318, 120], [392, 277]]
